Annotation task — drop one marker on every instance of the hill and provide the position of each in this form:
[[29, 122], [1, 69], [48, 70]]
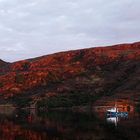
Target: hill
[[73, 78]]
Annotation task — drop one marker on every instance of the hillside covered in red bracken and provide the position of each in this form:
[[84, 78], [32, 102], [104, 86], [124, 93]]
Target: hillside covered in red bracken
[[72, 78]]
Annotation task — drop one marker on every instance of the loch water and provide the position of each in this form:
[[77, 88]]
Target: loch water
[[67, 125]]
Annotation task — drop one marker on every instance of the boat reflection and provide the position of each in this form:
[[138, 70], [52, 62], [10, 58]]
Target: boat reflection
[[112, 120], [116, 118]]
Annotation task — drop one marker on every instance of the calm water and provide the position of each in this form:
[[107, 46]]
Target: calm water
[[37, 125]]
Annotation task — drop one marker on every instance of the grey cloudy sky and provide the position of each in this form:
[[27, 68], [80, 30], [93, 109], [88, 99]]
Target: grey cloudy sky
[[30, 28]]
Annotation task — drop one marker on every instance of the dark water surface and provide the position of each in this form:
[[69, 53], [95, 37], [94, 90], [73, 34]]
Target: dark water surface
[[58, 125]]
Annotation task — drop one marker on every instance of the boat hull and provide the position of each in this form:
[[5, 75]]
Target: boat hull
[[117, 114]]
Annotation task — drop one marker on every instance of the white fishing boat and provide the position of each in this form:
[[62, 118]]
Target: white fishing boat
[[115, 112]]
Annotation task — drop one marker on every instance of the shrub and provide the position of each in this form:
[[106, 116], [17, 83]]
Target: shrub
[[79, 56], [1, 84], [19, 78]]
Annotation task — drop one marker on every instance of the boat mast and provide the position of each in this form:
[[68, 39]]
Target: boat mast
[[116, 110]]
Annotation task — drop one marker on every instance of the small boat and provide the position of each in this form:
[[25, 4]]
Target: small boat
[[113, 115], [113, 112]]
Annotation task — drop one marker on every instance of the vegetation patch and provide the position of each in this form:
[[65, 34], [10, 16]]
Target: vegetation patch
[[19, 78], [66, 100]]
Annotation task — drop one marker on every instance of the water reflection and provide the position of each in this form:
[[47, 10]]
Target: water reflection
[[40, 125], [113, 120]]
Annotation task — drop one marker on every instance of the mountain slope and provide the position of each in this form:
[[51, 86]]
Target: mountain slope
[[74, 77]]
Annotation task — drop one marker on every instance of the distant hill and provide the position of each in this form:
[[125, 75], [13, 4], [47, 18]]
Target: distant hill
[[2, 63], [72, 78]]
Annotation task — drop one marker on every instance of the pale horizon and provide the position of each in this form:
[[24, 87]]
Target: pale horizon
[[109, 45]]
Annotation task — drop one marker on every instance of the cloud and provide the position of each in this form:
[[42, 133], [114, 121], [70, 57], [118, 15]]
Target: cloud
[[38, 27]]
